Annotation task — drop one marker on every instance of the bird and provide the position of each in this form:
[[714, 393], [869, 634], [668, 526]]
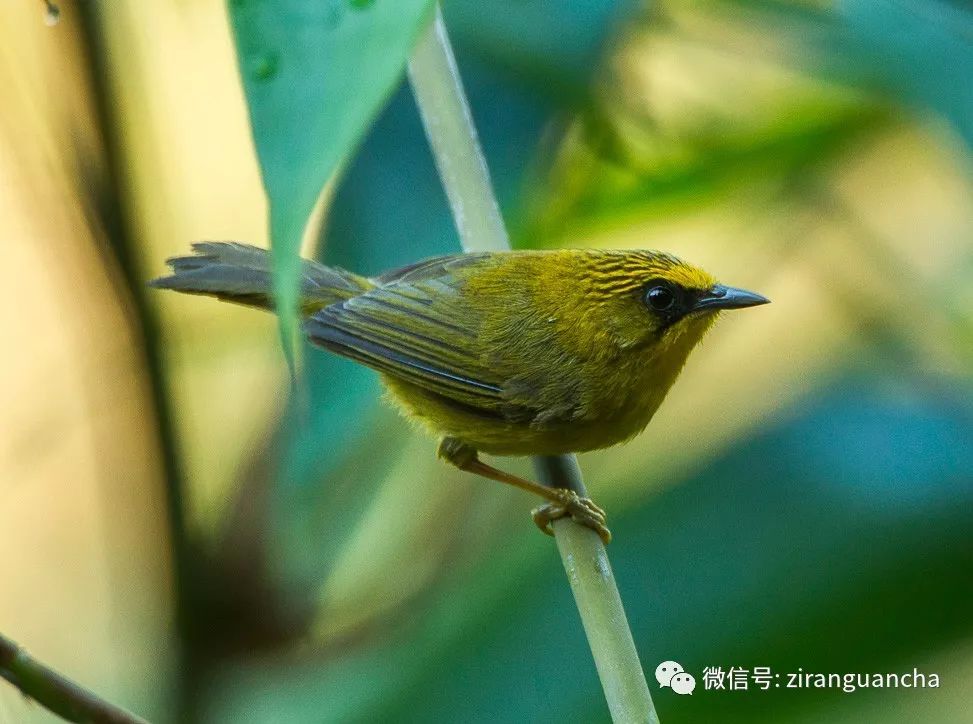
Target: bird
[[523, 352]]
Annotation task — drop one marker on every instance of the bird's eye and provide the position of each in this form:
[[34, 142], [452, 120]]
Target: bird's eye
[[660, 298]]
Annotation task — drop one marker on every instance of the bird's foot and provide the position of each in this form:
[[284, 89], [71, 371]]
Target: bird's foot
[[581, 510], [563, 501]]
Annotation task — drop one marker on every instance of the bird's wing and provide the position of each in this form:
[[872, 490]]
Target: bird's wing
[[436, 267], [416, 327]]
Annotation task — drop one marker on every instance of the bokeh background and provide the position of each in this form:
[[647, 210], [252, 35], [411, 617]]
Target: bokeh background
[[180, 539]]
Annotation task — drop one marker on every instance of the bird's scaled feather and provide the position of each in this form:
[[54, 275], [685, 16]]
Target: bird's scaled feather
[[417, 327]]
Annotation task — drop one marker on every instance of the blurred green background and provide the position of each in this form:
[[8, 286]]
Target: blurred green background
[[184, 541]]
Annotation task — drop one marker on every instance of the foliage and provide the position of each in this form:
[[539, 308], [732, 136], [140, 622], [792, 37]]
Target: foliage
[[316, 74]]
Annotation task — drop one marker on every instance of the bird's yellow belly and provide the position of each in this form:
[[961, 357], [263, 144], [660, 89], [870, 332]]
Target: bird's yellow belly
[[497, 435]]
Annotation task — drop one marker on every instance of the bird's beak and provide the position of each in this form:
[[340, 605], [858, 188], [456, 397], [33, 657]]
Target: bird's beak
[[721, 297]]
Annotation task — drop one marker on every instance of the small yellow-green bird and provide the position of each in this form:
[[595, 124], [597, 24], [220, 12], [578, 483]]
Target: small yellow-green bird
[[506, 353]]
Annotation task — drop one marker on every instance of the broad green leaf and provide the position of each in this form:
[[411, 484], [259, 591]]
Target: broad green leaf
[[316, 73]]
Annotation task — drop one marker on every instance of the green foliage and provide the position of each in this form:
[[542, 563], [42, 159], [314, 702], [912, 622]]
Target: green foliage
[[315, 74]]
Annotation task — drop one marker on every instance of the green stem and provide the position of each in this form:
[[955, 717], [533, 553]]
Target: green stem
[[596, 596], [55, 692], [455, 145], [449, 125]]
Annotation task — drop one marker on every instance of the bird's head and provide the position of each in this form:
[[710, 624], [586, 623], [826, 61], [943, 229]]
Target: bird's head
[[680, 298], [657, 300]]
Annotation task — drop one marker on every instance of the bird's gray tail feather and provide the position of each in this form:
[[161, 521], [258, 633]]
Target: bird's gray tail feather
[[241, 273]]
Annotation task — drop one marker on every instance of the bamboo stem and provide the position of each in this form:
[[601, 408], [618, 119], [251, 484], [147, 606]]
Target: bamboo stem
[[452, 135], [455, 145], [55, 692], [589, 571]]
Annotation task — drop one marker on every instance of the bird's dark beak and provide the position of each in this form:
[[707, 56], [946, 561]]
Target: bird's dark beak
[[721, 297]]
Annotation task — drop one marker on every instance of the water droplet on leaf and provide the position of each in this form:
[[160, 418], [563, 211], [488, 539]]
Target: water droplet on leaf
[[263, 67]]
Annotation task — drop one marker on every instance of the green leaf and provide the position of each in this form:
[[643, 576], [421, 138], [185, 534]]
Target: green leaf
[[315, 73]]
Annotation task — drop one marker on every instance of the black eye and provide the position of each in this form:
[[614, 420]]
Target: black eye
[[660, 298]]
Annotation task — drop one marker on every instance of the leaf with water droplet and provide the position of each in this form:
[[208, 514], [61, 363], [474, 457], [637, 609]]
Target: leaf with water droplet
[[263, 66], [326, 92]]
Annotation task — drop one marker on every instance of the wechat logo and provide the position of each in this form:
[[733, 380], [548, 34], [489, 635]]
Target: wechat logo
[[671, 674]]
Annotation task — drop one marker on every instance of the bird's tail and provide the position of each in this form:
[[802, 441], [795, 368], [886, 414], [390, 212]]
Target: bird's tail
[[241, 273]]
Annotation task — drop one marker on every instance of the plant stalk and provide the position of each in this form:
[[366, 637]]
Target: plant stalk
[[452, 135], [55, 692]]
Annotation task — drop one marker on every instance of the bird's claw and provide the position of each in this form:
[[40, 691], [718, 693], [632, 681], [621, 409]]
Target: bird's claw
[[581, 510]]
